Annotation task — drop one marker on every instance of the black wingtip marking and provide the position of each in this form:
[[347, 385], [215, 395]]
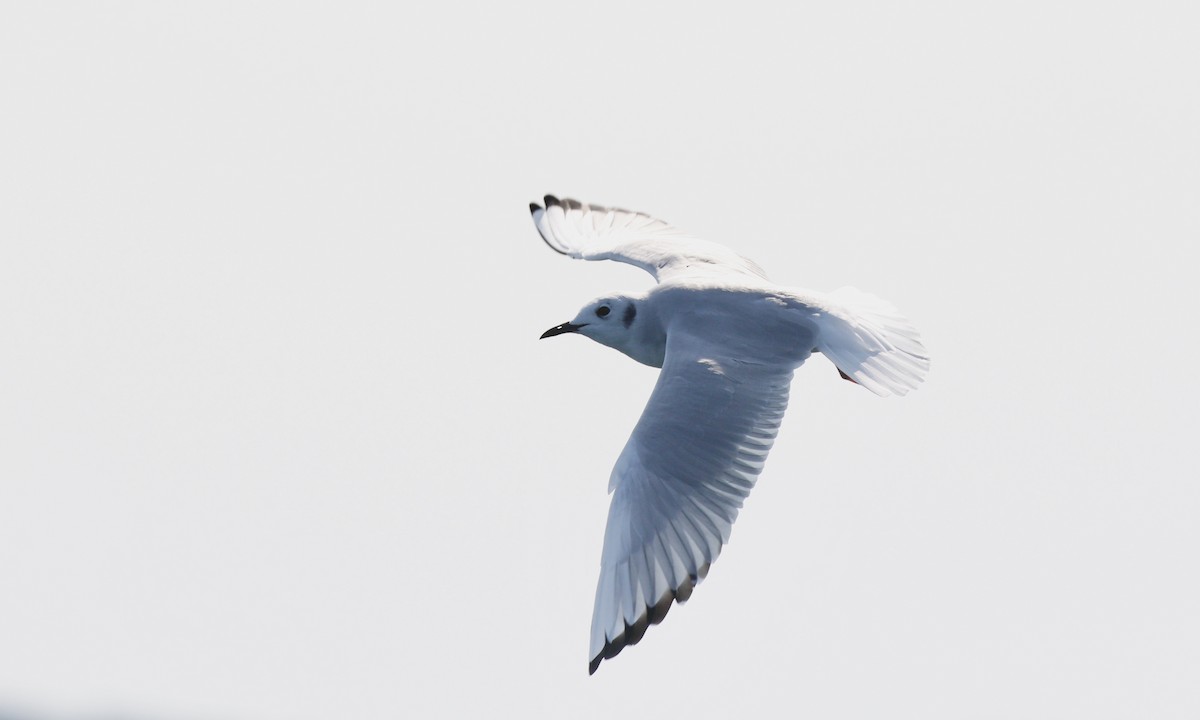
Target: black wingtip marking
[[534, 209], [685, 590], [659, 610], [614, 646], [635, 632], [551, 201], [703, 571], [632, 634], [846, 377]]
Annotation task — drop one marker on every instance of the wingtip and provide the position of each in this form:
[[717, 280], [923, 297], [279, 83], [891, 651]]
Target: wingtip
[[538, 214], [551, 201], [653, 615]]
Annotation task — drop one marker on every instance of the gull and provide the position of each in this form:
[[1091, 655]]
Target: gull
[[727, 341]]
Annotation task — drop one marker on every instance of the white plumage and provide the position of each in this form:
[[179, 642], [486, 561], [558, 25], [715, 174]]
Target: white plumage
[[728, 341]]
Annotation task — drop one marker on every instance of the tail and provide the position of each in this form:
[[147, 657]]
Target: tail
[[872, 344]]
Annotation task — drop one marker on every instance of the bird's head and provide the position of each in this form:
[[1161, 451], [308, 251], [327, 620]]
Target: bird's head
[[609, 321]]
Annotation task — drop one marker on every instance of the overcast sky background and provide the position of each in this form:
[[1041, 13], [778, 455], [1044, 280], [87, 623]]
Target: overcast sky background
[[278, 439]]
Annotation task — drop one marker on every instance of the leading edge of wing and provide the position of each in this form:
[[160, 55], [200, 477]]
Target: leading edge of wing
[[593, 232]]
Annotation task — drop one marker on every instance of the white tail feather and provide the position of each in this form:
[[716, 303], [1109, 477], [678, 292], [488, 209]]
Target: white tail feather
[[872, 343]]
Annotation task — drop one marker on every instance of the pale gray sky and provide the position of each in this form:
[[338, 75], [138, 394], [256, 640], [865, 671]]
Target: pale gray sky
[[278, 439]]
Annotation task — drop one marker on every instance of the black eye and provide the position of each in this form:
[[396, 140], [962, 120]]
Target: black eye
[[602, 311]]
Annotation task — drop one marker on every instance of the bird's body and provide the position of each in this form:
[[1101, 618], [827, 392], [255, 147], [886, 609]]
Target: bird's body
[[728, 341], [741, 314]]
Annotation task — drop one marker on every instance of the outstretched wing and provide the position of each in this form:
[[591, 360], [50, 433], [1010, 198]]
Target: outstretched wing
[[680, 481], [591, 232]]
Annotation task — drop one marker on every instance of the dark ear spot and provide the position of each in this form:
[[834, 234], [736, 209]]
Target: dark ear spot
[[630, 314]]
